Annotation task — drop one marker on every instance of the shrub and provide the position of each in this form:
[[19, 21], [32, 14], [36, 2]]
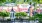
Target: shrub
[[39, 16], [4, 14], [32, 18], [21, 14]]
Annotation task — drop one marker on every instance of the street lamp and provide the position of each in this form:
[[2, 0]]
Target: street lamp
[[12, 14]]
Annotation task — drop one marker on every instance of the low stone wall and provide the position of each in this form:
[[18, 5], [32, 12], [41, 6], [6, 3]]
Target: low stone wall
[[20, 21]]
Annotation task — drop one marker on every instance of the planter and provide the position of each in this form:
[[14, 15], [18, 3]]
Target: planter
[[8, 19], [24, 17]]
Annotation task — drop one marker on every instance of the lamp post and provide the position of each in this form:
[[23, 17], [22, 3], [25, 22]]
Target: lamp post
[[12, 14]]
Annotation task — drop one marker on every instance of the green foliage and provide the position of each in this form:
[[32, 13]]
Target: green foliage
[[40, 1], [27, 0], [0, 13], [37, 1], [39, 16], [17, 14], [36, 16], [21, 14], [32, 18], [13, 1], [4, 14], [2, 1], [19, 1]]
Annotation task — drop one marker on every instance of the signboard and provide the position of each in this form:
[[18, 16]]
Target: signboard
[[15, 9], [23, 7]]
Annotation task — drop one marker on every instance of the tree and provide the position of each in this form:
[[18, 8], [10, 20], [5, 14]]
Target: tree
[[37, 1], [2, 1], [13, 1], [27, 1], [40, 1]]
